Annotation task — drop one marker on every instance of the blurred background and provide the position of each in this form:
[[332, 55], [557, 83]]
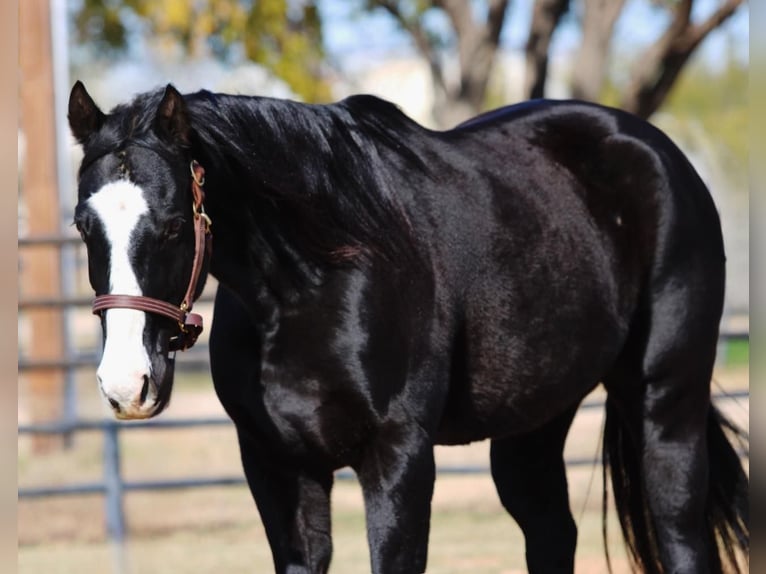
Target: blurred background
[[168, 495]]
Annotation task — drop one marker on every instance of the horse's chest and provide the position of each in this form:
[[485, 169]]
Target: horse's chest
[[301, 418]]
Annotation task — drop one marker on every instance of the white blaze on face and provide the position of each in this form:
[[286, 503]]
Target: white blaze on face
[[120, 205]]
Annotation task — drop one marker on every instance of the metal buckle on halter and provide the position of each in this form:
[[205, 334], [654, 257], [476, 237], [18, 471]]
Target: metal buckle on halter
[[201, 213], [182, 324], [201, 181], [199, 210], [189, 331]]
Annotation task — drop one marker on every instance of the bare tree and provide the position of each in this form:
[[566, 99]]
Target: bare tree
[[476, 38], [658, 68], [654, 72]]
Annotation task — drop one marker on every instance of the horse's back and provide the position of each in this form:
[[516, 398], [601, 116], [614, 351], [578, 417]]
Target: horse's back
[[570, 212], [572, 188]]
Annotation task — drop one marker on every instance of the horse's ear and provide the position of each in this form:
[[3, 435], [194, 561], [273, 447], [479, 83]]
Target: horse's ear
[[172, 121], [84, 116]]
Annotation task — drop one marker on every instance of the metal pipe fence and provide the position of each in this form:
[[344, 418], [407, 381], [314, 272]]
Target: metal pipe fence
[[113, 487]]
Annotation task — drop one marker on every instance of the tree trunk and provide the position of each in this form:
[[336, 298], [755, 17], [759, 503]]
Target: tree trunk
[[592, 60], [477, 46], [546, 15]]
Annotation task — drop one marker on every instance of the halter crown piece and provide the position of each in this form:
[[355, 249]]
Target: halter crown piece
[[190, 324]]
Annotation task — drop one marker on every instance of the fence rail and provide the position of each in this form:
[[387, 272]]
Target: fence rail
[[113, 487]]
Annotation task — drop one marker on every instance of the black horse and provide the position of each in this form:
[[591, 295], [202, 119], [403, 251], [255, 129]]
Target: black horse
[[384, 288]]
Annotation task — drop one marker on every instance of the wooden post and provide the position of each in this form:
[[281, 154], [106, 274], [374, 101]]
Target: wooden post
[[39, 272]]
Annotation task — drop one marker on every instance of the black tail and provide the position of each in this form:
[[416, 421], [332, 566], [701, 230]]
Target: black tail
[[727, 505]]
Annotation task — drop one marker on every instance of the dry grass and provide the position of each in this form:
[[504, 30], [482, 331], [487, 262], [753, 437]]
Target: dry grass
[[217, 529]]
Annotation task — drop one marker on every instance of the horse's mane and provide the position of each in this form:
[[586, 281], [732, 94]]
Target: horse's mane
[[332, 169]]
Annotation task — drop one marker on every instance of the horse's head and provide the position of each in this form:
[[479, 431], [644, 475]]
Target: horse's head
[[136, 215]]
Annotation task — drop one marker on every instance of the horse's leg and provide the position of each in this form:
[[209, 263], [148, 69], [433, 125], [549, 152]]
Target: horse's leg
[[397, 479], [530, 477], [294, 505], [295, 510]]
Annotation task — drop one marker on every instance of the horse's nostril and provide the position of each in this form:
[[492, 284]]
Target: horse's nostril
[[115, 405], [144, 390]]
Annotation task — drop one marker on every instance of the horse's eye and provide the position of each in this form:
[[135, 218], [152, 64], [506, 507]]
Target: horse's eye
[[173, 229]]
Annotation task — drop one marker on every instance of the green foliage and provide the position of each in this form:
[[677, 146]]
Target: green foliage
[[718, 100], [100, 23], [736, 353], [284, 38], [610, 94]]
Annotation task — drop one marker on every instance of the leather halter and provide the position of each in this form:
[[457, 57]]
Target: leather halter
[[189, 323]]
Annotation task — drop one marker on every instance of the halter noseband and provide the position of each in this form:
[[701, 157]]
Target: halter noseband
[[189, 323]]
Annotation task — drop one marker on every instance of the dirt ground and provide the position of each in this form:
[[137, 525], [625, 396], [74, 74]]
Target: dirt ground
[[217, 529]]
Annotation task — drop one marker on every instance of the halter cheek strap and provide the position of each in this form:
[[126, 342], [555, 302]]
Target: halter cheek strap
[[190, 324]]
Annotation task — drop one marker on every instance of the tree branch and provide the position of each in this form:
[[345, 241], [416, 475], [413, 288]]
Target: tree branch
[[546, 15], [700, 31], [592, 60], [496, 20], [459, 14], [419, 36], [661, 65]]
